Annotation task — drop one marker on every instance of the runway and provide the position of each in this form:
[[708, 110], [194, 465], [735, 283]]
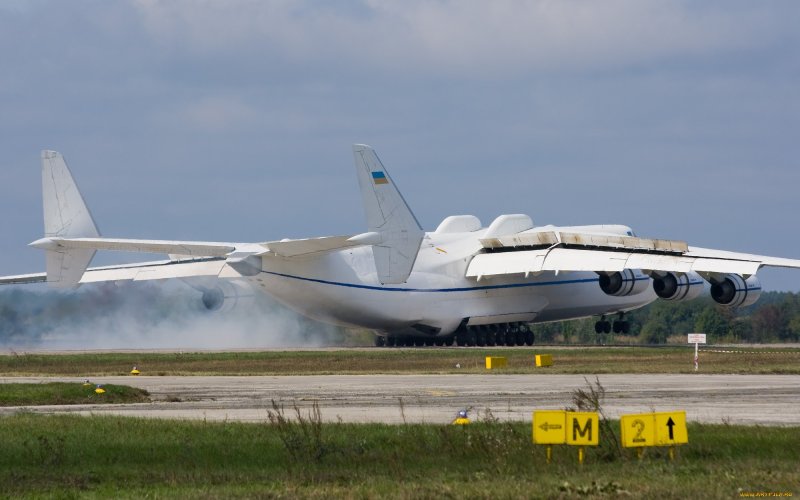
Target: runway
[[736, 399]]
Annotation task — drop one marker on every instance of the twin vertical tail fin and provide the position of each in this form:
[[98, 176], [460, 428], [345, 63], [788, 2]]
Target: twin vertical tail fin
[[394, 231], [65, 216]]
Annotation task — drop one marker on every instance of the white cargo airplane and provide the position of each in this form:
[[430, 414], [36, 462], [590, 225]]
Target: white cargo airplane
[[462, 282]]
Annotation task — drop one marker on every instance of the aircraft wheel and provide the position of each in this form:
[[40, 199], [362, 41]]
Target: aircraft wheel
[[430, 342], [380, 341], [598, 327], [480, 337], [419, 341], [520, 338], [449, 341], [617, 328], [491, 338], [529, 338], [391, 341], [626, 327], [606, 327], [472, 338]]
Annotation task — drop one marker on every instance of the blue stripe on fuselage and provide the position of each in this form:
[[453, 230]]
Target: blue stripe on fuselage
[[440, 290]]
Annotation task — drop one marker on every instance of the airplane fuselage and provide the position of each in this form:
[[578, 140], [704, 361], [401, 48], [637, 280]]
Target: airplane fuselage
[[342, 287]]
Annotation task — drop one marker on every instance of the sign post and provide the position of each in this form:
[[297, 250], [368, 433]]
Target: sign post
[[696, 339]]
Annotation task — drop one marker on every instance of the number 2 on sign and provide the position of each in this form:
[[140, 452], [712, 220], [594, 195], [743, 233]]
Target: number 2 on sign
[[639, 424]]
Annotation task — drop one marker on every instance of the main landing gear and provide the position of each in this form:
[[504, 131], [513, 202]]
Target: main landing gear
[[619, 325], [508, 334], [503, 334]]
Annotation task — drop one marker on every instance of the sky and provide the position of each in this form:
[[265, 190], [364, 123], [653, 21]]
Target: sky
[[233, 121]]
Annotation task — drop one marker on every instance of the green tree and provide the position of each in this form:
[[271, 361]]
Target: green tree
[[768, 323], [713, 321]]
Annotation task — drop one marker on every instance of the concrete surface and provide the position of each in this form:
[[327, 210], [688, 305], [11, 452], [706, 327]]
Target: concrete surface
[[737, 399]]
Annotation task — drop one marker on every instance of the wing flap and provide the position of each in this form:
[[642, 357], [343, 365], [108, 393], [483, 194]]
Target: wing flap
[[585, 239], [563, 259]]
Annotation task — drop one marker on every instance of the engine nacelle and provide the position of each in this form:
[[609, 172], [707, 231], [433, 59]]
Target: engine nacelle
[[226, 296], [735, 291], [624, 283], [678, 287]]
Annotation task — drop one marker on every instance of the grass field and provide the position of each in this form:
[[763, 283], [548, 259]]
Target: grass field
[[62, 393], [65, 456], [430, 360]]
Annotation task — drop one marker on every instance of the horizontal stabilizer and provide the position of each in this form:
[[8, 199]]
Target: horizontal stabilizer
[[309, 246], [160, 270], [23, 279], [188, 248]]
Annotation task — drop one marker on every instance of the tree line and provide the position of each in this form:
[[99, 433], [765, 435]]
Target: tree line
[[774, 318]]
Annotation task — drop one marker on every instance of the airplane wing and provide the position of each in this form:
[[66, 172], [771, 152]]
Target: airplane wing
[[552, 251]]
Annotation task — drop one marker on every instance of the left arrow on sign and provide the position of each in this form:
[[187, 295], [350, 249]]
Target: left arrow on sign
[[548, 426]]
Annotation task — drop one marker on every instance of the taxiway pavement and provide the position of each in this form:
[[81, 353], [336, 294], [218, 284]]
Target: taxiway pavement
[[736, 399]]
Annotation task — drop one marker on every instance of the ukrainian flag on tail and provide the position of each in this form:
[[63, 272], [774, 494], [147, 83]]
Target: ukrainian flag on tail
[[379, 178]]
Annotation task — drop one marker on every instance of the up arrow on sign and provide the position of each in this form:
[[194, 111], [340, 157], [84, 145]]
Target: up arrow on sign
[[671, 424]]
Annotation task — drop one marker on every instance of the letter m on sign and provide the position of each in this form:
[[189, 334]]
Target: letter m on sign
[[582, 428], [585, 433]]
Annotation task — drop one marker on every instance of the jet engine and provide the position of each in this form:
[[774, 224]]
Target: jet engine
[[225, 296], [623, 283], [671, 286], [733, 290]]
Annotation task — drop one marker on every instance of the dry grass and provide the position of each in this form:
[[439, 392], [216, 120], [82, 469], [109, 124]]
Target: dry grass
[[597, 360]]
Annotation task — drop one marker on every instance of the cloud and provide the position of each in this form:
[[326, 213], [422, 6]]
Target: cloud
[[213, 113], [483, 39]]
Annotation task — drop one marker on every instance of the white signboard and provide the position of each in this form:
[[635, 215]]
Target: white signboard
[[697, 338]]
